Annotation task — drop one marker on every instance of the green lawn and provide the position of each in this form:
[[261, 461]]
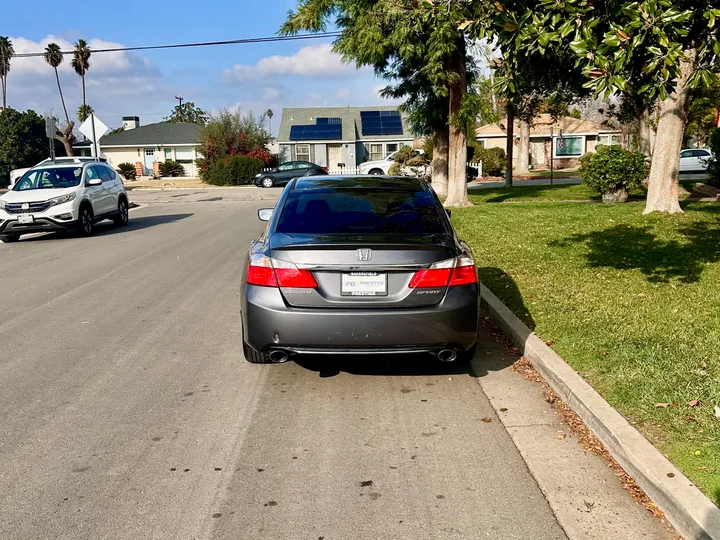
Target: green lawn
[[632, 302]]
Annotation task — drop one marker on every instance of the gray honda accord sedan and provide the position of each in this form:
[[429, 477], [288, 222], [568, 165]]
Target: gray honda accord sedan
[[358, 265]]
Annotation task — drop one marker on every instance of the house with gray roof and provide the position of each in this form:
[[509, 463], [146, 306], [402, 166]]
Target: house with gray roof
[[338, 137], [177, 141]]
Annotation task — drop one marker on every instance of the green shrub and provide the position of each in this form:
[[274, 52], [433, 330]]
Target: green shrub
[[127, 170], [232, 171], [171, 168], [714, 166], [613, 168], [493, 160]]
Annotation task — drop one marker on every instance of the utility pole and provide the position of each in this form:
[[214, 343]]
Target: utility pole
[[182, 115]]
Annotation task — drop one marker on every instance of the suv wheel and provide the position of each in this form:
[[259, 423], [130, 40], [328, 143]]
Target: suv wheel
[[86, 221], [122, 216], [377, 171], [9, 238]]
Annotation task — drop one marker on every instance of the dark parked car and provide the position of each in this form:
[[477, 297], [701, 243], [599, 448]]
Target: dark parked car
[[285, 172], [361, 265]]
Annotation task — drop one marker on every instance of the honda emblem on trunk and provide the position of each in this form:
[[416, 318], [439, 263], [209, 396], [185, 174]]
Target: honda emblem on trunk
[[364, 254]]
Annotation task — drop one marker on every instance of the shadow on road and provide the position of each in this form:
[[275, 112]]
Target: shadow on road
[[106, 228], [382, 365]]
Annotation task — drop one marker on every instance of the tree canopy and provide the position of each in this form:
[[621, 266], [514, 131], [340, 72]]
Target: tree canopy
[[22, 141], [188, 112]]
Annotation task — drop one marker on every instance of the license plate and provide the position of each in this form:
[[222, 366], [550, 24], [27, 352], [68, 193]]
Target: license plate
[[24, 219], [364, 284]]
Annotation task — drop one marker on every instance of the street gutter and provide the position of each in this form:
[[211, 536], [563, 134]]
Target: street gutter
[[692, 514]]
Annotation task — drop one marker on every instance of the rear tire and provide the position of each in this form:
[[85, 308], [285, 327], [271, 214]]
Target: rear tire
[[467, 356], [122, 216], [267, 182], [9, 238], [86, 220], [377, 172]]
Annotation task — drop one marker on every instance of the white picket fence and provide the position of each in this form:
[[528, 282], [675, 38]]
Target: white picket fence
[[407, 171]]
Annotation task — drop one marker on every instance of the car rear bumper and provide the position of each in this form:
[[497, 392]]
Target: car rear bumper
[[269, 323]]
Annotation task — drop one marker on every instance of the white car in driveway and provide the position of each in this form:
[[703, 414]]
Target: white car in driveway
[[380, 166], [63, 195], [694, 160]]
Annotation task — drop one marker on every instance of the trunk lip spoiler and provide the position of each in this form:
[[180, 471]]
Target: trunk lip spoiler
[[364, 268]]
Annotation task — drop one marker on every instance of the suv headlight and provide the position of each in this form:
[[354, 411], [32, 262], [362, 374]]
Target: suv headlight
[[62, 199], [2, 205]]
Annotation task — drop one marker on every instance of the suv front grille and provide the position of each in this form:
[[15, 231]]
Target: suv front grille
[[34, 207]]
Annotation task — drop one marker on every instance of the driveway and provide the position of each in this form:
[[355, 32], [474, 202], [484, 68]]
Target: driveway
[[128, 410]]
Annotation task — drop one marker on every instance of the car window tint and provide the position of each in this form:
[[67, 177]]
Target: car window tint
[[286, 166], [111, 172], [360, 211], [91, 173], [102, 173], [701, 153], [686, 154]]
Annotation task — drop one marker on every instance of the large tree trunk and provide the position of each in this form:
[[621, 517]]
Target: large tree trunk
[[663, 181], [440, 161], [66, 137], [62, 99], [510, 144], [457, 162], [523, 158]]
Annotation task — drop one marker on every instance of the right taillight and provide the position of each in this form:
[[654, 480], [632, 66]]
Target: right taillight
[[268, 272], [449, 273]]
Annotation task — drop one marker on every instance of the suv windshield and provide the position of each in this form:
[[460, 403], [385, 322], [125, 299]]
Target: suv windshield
[[360, 211], [51, 178]]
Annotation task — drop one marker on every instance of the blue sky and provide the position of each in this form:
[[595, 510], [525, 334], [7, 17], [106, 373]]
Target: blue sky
[[252, 77]]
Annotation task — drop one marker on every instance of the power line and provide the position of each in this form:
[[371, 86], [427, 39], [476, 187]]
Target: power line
[[200, 44]]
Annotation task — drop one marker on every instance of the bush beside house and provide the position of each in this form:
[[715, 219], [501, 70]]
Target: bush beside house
[[234, 146], [127, 170], [171, 168], [612, 171]]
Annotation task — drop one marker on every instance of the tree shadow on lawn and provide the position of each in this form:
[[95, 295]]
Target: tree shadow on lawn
[[522, 192], [627, 247]]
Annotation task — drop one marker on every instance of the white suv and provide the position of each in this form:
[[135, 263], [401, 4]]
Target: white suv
[[63, 195]]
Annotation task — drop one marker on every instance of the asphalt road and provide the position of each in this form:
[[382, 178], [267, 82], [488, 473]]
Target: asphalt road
[[128, 411]]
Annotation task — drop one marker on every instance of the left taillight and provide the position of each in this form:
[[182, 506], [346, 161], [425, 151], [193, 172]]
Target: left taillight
[[268, 272]]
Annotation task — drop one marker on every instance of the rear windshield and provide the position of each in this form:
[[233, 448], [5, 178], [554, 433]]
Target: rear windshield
[[360, 211]]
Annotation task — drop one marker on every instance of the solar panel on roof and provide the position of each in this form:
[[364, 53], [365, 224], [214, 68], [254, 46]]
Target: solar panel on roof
[[324, 128], [376, 123]]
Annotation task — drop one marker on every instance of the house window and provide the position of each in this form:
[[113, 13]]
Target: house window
[[302, 152], [390, 148], [376, 152], [569, 146], [185, 155], [149, 151], [168, 154], [609, 140]]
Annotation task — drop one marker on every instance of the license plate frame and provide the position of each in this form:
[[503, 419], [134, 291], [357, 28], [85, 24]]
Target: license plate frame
[[26, 219], [363, 284]]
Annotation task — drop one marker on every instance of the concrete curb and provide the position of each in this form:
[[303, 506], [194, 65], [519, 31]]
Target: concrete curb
[[692, 514]]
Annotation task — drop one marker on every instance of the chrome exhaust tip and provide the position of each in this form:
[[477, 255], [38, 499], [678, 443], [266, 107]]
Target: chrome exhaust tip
[[279, 356], [447, 355]]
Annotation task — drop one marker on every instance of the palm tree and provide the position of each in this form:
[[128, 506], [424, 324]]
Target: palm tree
[[269, 114], [6, 53], [81, 62], [54, 57], [84, 112]]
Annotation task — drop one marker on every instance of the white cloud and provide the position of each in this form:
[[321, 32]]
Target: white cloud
[[344, 94], [310, 61], [118, 83]]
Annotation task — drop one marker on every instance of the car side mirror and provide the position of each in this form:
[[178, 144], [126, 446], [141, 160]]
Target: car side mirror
[[94, 182], [264, 214], [449, 212]]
